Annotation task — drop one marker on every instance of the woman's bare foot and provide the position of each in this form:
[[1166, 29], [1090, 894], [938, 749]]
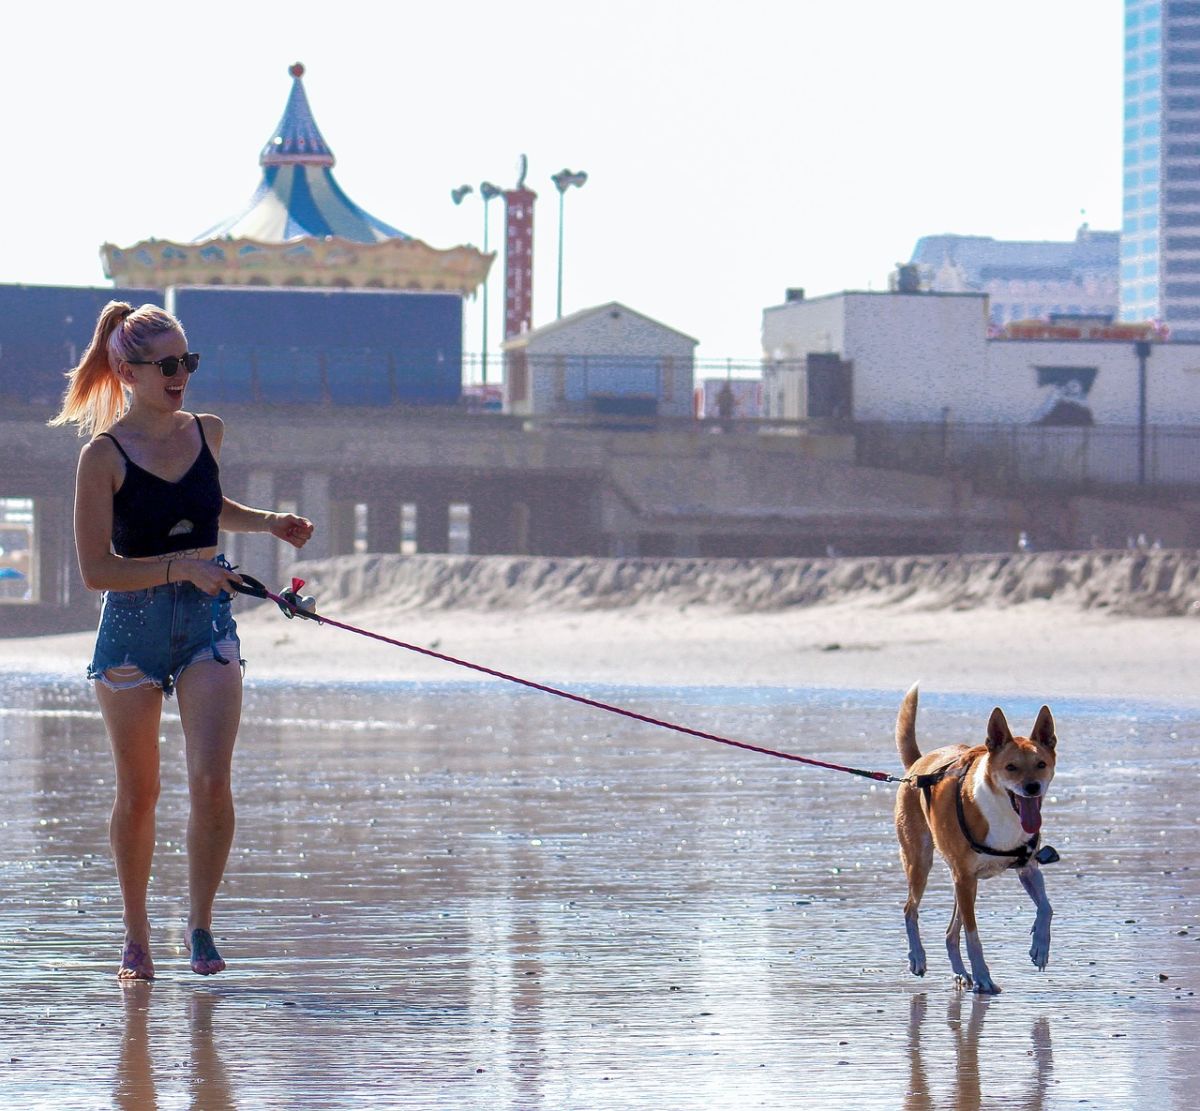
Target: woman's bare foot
[[135, 958], [206, 961]]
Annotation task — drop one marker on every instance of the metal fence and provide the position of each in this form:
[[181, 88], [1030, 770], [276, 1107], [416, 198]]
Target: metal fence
[[477, 369], [1008, 456]]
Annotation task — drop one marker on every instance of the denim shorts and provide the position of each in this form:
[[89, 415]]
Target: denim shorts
[[148, 637]]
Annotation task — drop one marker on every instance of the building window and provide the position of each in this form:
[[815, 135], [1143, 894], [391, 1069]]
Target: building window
[[18, 578]]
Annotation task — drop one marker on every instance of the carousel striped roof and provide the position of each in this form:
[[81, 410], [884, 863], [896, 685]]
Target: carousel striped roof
[[299, 196]]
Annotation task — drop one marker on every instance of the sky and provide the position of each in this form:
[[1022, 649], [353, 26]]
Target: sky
[[733, 150]]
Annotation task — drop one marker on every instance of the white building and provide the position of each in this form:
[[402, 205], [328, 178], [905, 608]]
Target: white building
[[928, 357], [603, 360]]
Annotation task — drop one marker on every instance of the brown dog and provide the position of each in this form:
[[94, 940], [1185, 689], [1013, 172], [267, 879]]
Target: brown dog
[[981, 808]]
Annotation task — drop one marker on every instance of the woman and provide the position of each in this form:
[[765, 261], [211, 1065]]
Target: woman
[[148, 506]]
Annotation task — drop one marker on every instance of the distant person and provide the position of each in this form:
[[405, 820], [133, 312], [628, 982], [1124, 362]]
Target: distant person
[[148, 507], [726, 407]]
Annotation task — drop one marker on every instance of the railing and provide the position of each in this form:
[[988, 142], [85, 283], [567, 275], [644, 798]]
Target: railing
[[1010, 456], [605, 392]]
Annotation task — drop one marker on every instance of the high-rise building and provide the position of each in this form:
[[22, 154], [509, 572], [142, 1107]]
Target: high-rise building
[[1160, 231]]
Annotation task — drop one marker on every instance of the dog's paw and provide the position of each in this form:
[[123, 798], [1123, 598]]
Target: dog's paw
[[1039, 951], [985, 985], [916, 963], [963, 981]]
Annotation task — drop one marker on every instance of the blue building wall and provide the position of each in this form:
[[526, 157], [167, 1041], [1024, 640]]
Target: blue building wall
[[345, 347], [43, 333]]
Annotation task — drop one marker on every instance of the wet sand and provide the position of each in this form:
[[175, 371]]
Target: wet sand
[[462, 894]]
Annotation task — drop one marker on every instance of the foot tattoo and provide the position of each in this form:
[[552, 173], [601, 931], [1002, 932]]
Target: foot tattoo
[[135, 963], [205, 959]]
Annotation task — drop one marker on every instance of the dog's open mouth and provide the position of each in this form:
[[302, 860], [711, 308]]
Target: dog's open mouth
[[1029, 810]]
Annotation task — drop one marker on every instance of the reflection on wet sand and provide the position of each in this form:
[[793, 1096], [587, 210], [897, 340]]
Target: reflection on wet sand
[[211, 1088], [207, 1081], [133, 1082], [971, 1086], [453, 896]]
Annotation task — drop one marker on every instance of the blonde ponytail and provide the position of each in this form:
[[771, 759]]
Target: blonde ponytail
[[95, 399]]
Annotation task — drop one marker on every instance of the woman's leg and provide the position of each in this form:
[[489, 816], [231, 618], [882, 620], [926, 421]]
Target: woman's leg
[[210, 707], [132, 719]]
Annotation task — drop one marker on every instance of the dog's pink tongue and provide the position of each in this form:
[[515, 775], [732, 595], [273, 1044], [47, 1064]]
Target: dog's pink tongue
[[1030, 811]]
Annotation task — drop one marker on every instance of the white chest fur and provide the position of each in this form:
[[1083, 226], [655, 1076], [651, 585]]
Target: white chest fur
[[1004, 827]]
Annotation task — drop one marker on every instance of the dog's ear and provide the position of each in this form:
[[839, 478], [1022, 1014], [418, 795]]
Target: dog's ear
[[1043, 729], [998, 734]]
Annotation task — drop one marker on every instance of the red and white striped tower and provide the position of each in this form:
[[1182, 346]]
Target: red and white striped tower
[[518, 257]]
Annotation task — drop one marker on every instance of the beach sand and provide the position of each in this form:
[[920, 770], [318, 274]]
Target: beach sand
[[1043, 648], [474, 895]]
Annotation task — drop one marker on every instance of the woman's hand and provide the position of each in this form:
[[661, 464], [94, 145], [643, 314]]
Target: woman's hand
[[291, 529], [204, 574]]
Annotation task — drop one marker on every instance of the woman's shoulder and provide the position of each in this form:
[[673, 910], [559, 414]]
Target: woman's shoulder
[[100, 446], [213, 429], [100, 453], [210, 421]]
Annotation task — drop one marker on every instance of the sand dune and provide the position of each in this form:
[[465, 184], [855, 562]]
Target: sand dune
[[1136, 582]]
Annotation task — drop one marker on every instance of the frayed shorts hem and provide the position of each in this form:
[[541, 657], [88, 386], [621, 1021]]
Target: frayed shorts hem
[[224, 652]]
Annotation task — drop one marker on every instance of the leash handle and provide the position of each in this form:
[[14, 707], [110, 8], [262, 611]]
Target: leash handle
[[250, 585], [288, 601]]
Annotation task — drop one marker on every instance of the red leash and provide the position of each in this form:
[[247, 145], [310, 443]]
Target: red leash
[[288, 604]]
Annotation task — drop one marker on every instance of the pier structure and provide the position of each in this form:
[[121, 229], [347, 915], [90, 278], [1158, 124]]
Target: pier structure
[[443, 481]]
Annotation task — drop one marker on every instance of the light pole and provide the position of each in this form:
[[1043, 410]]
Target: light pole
[[1142, 349], [563, 180], [488, 192]]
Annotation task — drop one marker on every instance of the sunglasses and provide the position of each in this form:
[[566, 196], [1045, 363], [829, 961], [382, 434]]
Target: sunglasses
[[171, 364]]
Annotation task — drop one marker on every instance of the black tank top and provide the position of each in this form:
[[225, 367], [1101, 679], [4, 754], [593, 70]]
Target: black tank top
[[152, 516]]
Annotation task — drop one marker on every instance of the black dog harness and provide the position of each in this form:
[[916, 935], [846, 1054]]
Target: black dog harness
[[1021, 855]]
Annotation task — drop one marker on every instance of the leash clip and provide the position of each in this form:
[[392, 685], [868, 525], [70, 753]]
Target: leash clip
[[1047, 854]]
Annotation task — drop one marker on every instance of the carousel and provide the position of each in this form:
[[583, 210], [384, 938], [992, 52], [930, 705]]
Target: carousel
[[299, 229]]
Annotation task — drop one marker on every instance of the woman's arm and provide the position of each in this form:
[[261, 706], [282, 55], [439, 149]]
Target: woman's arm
[[101, 569], [236, 517]]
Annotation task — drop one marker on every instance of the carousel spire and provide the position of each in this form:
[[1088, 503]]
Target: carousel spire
[[297, 139], [299, 228]]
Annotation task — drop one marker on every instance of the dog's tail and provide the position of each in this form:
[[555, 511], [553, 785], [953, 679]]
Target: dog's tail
[[906, 729]]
